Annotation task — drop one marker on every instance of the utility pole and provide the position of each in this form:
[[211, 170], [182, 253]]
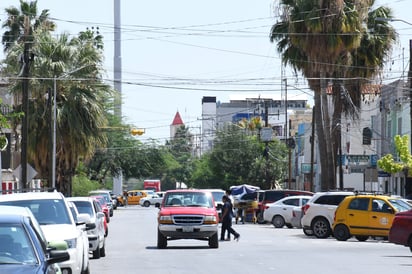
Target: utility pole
[[117, 60], [312, 151], [267, 146], [25, 102], [410, 88]]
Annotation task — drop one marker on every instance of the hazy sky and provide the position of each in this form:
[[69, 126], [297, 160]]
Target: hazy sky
[[176, 52]]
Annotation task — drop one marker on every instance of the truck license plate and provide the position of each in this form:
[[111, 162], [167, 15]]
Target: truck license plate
[[187, 229]]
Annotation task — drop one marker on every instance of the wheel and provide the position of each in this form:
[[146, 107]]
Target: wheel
[[410, 243], [214, 241], [96, 253], [87, 270], [341, 232], [103, 250], [146, 203], [278, 221], [161, 240], [362, 238], [307, 232], [321, 228]]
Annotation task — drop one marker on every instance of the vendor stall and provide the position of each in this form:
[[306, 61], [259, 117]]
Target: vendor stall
[[245, 205]]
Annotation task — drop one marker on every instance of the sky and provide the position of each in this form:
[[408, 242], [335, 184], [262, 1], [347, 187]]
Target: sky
[[175, 52]]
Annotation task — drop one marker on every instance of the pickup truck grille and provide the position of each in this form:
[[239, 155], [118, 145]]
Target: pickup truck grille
[[188, 219]]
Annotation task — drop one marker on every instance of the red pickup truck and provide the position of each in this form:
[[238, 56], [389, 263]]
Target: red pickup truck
[[187, 214]]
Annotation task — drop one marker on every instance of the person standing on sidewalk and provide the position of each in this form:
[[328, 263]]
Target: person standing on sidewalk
[[227, 216]]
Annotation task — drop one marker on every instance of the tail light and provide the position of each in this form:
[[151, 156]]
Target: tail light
[[305, 208]]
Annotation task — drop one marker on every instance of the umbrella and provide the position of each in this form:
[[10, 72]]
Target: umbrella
[[243, 189]]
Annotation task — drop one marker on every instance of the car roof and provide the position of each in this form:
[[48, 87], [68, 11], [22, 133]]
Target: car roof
[[212, 189], [31, 196], [187, 190], [334, 193], [15, 210], [11, 218], [89, 199]]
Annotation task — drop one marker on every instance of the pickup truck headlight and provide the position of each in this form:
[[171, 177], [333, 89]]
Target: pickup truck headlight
[[210, 219], [165, 219]]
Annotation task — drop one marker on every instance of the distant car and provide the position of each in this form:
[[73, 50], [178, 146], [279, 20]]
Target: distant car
[[107, 194], [217, 197], [319, 211], [97, 233], [105, 207], [187, 214], [133, 197], [23, 246], [154, 199], [401, 229], [368, 215], [279, 213], [273, 195], [53, 213]]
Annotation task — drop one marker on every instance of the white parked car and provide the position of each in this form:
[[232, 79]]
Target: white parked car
[[280, 213], [53, 213], [96, 233], [154, 199], [318, 213]]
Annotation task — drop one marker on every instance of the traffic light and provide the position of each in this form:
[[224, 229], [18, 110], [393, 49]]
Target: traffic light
[[366, 136], [290, 142]]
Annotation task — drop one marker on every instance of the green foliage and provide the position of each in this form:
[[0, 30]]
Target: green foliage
[[82, 185], [237, 158], [388, 164]]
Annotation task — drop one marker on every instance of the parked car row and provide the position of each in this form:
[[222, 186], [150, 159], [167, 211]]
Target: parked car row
[[54, 214], [345, 214], [55, 233]]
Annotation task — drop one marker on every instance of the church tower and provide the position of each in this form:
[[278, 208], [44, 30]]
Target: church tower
[[177, 123]]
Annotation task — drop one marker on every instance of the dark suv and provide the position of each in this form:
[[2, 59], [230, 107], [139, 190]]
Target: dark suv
[[271, 196]]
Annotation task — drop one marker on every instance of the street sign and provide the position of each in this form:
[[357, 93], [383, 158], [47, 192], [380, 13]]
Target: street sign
[[266, 134], [31, 173]]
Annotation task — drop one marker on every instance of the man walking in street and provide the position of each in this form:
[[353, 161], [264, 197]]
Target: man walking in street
[[227, 216]]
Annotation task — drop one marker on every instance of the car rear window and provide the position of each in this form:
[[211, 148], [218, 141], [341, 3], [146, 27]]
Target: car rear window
[[334, 199], [273, 195]]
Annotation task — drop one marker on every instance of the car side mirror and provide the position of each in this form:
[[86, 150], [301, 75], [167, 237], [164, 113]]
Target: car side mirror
[[57, 251], [83, 218]]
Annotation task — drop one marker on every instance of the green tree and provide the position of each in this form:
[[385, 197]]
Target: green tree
[[339, 29], [238, 157], [388, 164], [74, 67], [180, 147]]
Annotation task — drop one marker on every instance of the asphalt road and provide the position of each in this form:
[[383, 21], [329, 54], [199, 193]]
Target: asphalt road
[[131, 248]]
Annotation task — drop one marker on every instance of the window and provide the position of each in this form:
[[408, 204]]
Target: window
[[359, 204]]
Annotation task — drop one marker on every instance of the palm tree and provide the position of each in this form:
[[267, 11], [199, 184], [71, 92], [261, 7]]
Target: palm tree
[[15, 24], [20, 26], [75, 65], [318, 39], [366, 62]]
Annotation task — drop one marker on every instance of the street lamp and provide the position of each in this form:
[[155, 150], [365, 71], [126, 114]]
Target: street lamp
[[386, 19], [53, 122]]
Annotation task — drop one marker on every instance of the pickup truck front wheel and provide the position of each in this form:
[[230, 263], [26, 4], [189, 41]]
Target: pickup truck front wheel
[[214, 241], [162, 240]]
